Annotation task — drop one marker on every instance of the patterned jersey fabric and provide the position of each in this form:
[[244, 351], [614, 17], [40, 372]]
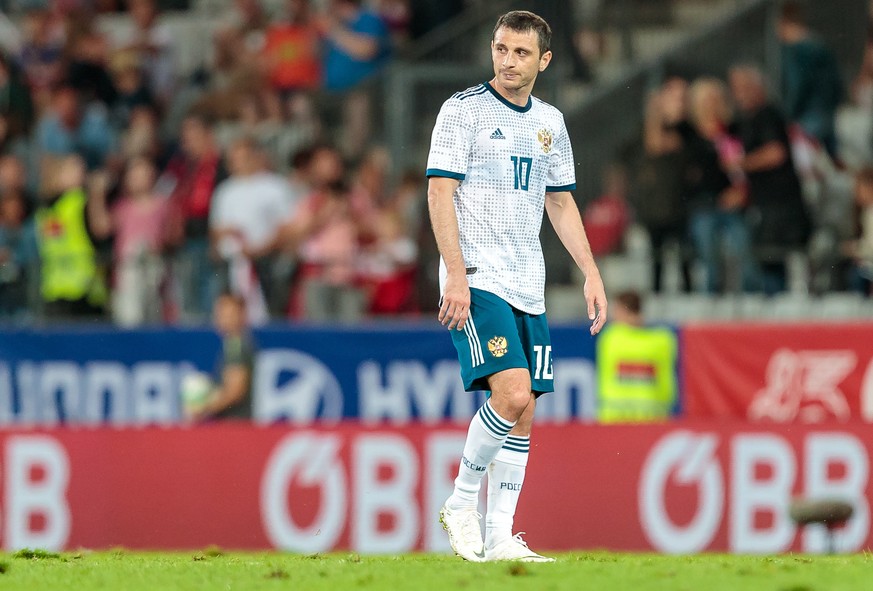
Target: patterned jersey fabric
[[506, 158]]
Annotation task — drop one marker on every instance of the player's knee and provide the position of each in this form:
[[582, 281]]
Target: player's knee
[[514, 402]]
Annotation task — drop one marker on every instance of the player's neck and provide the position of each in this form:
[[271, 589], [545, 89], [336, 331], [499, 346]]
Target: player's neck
[[518, 97]]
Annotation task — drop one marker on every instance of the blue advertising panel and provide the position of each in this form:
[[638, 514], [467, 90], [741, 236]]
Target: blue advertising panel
[[380, 373]]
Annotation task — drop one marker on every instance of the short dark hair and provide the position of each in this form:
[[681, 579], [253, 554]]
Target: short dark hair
[[631, 301], [523, 21], [793, 11]]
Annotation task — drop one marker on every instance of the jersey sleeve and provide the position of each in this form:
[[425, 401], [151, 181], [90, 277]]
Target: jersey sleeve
[[562, 169], [451, 142]]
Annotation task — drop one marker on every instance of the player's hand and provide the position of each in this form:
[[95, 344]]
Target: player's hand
[[455, 304], [595, 298]]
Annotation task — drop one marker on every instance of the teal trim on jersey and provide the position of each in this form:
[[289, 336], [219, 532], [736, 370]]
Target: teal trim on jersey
[[444, 173], [570, 187], [512, 106]]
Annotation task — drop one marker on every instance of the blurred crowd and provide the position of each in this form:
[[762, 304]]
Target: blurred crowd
[[739, 177], [131, 192]]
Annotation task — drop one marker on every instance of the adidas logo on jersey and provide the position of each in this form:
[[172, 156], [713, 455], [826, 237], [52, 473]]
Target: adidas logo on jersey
[[498, 135]]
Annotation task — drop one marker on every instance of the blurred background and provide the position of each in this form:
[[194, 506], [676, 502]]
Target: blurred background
[[217, 209], [275, 149]]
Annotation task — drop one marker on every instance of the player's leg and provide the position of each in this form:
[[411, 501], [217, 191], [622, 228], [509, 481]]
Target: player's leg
[[491, 357], [488, 431], [505, 480], [506, 473]]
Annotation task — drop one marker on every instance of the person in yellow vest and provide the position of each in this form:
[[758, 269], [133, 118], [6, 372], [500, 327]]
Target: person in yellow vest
[[72, 282], [636, 367]]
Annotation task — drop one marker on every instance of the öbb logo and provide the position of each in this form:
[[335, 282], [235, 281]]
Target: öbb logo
[[740, 489]]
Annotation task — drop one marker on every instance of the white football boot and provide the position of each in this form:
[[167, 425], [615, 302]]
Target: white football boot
[[514, 548], [465, 533]]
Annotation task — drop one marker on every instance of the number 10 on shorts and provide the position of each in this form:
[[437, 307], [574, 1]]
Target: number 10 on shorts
[[544, 362]]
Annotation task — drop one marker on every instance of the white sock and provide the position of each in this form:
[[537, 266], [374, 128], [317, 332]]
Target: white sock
[[486, 436], [505, 477]]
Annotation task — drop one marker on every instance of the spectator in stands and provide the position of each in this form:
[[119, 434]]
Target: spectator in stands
[[15, 255], [247, 211], [357, 46], [291, 54], [812, 86], [72, 278], [141, 137], [326, 287], [41, 55], [409, 201], [659, 199], [324, 234], [243, 27], [636, 366], [136, 220], [190, 178], [19, 263], [231, 398], [13, 178], [87, 59], [386, 265], [369, 187], [397, 16], [860, 249], [130, 86], [299, 176], [607, 217], [68, 127], [236, 81], [152, 42], [777, 214], [16, 106], [716, 222], [386, 260]]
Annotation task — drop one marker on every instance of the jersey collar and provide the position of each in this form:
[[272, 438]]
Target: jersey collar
[[512, 106]]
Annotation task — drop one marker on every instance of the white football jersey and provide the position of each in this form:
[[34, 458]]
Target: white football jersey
[[507, 158]]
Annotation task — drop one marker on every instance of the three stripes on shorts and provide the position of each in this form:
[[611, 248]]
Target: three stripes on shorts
[[475, 344]]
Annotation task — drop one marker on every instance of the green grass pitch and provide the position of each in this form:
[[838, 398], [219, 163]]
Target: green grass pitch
[[122, 570]]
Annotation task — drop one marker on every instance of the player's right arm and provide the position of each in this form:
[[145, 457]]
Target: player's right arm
[[447, 166], [455, 302]]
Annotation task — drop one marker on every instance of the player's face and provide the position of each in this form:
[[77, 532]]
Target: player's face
[[517, 59]]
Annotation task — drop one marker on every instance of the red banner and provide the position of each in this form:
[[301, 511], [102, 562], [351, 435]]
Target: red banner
[[779, 372], [670, 488]]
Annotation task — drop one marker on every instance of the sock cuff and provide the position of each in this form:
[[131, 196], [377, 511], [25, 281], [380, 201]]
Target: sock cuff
[[509, 456], [516, 443], [494, 424]]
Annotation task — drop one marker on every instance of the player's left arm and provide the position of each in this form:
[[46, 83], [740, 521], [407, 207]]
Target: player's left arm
[[565, 218]]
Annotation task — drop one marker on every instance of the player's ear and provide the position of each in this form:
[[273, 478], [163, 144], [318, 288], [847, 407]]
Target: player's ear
[[544, 60]]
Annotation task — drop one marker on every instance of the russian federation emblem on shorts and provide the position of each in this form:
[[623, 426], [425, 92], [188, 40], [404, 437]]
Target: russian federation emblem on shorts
[[497, 346], [544, 136]]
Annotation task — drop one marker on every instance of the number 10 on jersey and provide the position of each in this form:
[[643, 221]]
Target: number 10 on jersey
[[522, 167], [544, 362]]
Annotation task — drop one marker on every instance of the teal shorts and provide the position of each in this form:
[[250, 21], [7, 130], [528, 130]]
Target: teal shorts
[[498, 337]]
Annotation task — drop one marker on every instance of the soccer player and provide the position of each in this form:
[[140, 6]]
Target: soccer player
[[498, 156]]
